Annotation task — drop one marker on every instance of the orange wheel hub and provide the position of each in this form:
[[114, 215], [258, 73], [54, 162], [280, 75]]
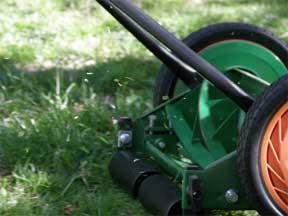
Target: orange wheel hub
[[274, 158]]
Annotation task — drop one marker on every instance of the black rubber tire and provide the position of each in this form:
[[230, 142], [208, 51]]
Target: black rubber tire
[[166, 81], [251, 136]]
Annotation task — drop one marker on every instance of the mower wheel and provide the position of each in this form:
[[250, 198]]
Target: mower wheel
[[167, 84], [262, 151]]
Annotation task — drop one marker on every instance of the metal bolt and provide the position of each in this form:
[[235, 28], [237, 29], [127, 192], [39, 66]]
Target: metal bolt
[[125, 138], [162, 145], [231, 196]]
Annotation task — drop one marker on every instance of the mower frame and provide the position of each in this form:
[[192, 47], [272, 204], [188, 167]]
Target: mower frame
[[153, 136]]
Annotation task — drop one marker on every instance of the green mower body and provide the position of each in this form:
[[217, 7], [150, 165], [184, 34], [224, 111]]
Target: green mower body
[[193, 137], [192, 153]]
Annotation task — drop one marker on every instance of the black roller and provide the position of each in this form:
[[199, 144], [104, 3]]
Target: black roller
[[160, 196], [129, 171]]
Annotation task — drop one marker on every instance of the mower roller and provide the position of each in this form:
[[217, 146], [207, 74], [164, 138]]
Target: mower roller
[[218, 135]]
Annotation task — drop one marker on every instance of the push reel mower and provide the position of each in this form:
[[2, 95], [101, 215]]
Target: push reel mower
[[218, 136]]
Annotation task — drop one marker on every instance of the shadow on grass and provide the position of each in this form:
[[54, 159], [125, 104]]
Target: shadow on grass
[[105, 77], [57, 157]]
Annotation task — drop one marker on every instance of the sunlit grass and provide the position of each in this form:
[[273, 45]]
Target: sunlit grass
[[67, 72]]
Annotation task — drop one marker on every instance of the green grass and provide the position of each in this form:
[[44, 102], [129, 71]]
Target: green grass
[[67, 72]]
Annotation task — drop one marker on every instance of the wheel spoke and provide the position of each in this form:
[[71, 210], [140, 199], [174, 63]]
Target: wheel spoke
[[281, 191], [284, 158], [276, 174], [274, 158], [274, 151]]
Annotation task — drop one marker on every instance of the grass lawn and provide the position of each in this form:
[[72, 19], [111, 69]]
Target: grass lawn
[[68, 70]]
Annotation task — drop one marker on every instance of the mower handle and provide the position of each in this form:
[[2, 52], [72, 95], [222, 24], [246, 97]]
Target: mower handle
[[180, 59]]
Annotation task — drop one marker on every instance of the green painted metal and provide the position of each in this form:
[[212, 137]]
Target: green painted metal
[[200, 127], [216, 180], [185, 123], [166, 160], [219, 115], [174, 158], [242, 62]]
